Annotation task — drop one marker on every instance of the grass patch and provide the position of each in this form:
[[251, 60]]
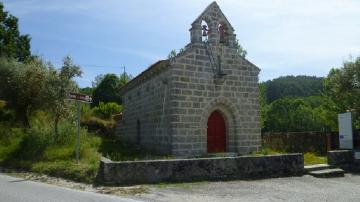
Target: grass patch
[[36, 149], [116, 150], [182, 185], [267, 151], [311, 158]]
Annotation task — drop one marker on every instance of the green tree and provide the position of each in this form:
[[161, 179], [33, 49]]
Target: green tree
[[124, 79], [12, 43], [263, 104], [59, 83], [86, 90], [22, 85], [107, 90], [105, 111], [293, 86], [293, 115], [342, 88], [97, 80]]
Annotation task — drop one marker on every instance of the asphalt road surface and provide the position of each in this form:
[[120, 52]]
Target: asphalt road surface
[[15, 189], [306, 188]]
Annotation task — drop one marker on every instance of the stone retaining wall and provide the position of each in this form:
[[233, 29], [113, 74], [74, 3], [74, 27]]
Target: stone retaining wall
[[340, 157], [185, 170], [344, 159]]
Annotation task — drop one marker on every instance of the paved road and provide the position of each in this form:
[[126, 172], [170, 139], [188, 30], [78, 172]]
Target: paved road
[[15, 189], [304, 188]]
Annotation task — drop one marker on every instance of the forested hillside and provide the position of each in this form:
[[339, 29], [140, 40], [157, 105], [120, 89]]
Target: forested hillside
[[292, 86], [308, 103], [295, 103]]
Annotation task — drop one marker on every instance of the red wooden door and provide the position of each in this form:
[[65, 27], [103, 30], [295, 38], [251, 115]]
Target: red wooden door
[[216, 141]]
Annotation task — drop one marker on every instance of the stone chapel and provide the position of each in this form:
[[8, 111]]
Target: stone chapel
[[203, 100]]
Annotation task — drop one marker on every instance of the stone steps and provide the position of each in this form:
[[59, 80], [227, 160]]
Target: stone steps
[[324, 171], [317, 167], [327, 173]]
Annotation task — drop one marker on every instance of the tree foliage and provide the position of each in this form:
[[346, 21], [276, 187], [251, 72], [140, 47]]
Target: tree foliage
[[12, 43], [293, 115], [105, 111], [97, 80], [342, 88], [108, 88], [22, 86], [295, 104], [124, 79], [37, 85], [87, 90], [292, 86], [58, 84]]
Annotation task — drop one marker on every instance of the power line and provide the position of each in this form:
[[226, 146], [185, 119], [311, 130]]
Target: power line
[[92, 65]]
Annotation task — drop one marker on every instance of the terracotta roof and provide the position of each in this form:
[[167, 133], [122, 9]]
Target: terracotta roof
[[147, 73]]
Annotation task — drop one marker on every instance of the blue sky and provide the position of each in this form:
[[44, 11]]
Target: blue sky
[[282, 37]]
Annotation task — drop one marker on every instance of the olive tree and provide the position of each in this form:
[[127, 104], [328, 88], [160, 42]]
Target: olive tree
[[22, 86], [59, 83]]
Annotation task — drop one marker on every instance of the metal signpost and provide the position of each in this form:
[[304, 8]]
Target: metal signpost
[[345, 131], [79, 98]]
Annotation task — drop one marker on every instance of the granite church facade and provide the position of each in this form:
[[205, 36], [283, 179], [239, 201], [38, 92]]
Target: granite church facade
[[203, 100]]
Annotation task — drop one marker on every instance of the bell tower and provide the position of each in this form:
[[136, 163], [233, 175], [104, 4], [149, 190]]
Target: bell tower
[[212, 27]]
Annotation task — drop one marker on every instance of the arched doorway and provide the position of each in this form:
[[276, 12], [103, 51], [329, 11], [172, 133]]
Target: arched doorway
[[216, 138]]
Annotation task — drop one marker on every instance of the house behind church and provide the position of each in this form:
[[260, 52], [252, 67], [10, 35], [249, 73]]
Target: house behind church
[[203, 100]]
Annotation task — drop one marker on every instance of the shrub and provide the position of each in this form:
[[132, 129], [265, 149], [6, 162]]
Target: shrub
[[2, 104], [10, 140], [6, 114], [36, 149], [99, 126], [105, 111]]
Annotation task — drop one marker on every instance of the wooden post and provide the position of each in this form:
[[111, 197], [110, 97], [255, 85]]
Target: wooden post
[[78, 133], [328, 142]]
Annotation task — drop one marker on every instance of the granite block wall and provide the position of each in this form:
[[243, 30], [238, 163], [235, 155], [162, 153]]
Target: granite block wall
[[184, 170]]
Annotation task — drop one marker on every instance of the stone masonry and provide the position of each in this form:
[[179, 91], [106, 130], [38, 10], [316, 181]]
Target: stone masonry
[[166, 107]]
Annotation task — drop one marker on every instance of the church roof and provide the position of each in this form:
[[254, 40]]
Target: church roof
[[208, 9], [147, 73]]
